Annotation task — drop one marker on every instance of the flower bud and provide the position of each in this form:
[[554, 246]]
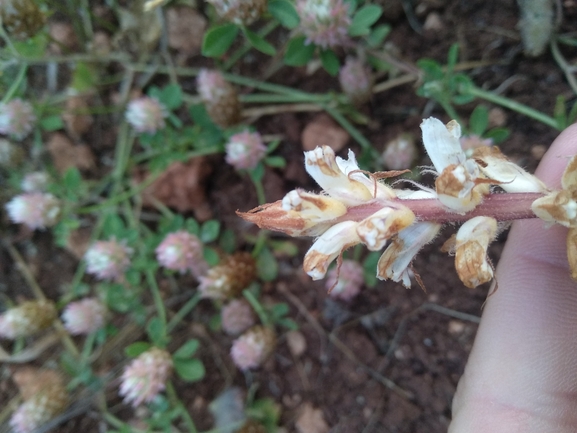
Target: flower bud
[[27, 319], [107, 260], [219, 97], [229, 278], [22, 19], [237, 316], [84, 317], [146, 114], [45, 397], [146, 376], [400, 153], [252, 348], [378, 228], [35, 182], [356, 81], [16, 118], [471, 245], [34, 209], [324, 22], [241, 12], [245, 150], [328, 247], [182, 251], [345, 282]]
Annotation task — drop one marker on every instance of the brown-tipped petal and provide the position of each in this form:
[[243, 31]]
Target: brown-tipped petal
[[328, 247], [472, 241], [557, 207], [459, 187], [572, 251], [378, 228], [569, 179], [512, 178]]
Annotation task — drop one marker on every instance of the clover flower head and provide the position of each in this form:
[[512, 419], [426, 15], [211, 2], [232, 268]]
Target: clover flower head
[[245, 150], [35, 210], [182, 251], [400, 153], [16, 118], [251, 349], [84, 317], [356, 80], [227, 280], [46, 398], [145, 377], [237, 316], [27, 319], [219, 97], [345, 282], [324, 22], [107, 260], [10, 154], [241, 12], [22, 19], [35, 182], [146, 114]]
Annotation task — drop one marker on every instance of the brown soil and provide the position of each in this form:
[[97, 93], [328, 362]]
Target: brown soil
[[389, 361]]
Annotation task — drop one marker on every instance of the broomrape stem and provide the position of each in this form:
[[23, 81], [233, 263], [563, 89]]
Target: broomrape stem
[[502, 207]]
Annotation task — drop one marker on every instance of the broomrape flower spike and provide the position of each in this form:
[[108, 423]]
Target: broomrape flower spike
[[355, 207]]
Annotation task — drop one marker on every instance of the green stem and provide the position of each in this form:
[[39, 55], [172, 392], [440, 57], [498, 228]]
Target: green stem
[[257, 306], [192, 154], [354, 132], [87, 348], [259, 244], [512, 105], [276, 98], [173, 397], [158, 302], [185, 309], [14, 87], [237, 55], [259, 190]]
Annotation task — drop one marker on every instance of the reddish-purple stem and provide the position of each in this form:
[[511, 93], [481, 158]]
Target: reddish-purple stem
[[501, 206]]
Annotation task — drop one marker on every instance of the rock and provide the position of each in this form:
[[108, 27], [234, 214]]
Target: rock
[[322, 130], [311, 420], [75, 116], [296, 342], [186, 29], [66, 155]]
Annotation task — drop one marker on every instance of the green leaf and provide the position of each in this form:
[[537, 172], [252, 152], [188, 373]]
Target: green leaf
[[279, 310], [479, 120], [257, 173], [452, 58], [288, 323], [227, 241], [211, 256], [378, 35], [72, 178], [431, 68], [297, 52], [171, 96], [135, 349], [156, 331], [190, 370], [369, 266], [112, 226], [284, 12], [275, 161], [364, 19], [330, 62], [209, 231], [52, 123], [32, 47], [498, 135], [560, 112], [187, 350], [266, 265], [217, 40], [258, 42], [84, 77]]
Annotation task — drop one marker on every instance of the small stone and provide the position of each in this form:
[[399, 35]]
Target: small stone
[[433, 22], [497, 117], [296, 342], [311, 420], [75, 116], [186, 29], [324, 131], [456, 327], [538, 151], [64, 38], [66, 155]]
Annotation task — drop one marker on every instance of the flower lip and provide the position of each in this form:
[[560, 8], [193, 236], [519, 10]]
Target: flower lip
[[442, 143]]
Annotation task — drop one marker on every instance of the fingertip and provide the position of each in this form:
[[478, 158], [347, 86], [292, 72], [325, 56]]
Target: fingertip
[[555, 160]]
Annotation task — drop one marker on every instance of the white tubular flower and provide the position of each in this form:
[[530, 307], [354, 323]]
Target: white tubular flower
[[377, 229], [458, 185], [512, 178], [560, 206], [314, 209], [396, 259], [322, 166], [472, 241], [328, 247]]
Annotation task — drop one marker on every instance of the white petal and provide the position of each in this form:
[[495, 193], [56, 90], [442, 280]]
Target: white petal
[[442, 143]]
